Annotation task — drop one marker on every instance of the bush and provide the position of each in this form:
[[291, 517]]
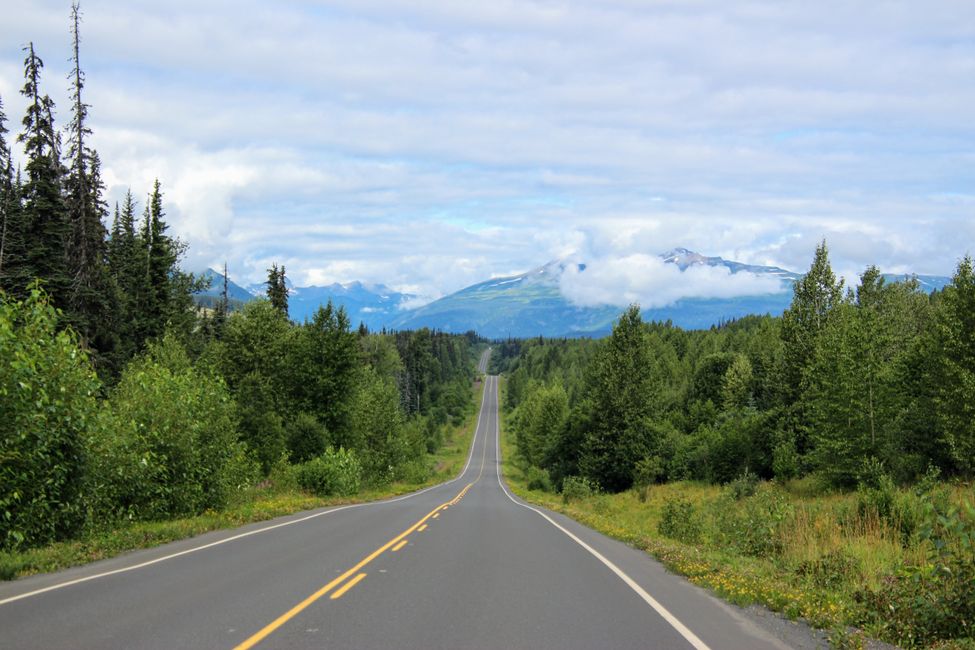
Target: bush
[[168, 445], [575, 488], [334, 472], [743, 486], [876, 492], [934, 601], [752, 526], [679, 521], [47, 409], [307, 438], [538, 479], [414, 472]]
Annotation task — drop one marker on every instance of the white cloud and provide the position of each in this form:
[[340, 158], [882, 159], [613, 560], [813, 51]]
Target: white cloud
[[429, 143], [651, 282]]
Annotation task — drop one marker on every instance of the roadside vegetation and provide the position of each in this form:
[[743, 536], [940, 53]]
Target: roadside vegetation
[[128, 416], [820, 463]]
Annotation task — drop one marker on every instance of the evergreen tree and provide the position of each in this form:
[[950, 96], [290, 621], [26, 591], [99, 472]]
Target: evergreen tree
[[620, 388], [324, 367], [955, 392], [223, 306], [14, 271], [815, 295], [277, 290], [852, 390], [6, 190], [91, 298], [46, 226]]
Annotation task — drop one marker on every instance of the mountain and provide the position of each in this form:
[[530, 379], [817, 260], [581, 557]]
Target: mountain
[[531, 304], [522, 305], [374, 305], [234, 290]]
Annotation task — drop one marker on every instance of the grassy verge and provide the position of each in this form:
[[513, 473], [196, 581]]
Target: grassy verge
[[257, 504], [829, 559]]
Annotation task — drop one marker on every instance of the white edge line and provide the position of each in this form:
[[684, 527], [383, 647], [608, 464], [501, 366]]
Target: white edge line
[[630, 582], [142, 565]]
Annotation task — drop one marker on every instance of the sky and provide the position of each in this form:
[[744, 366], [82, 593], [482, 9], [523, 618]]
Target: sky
[[432, 144]]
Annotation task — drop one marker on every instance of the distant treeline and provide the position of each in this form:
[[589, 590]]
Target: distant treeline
[[847, 384], [120, 400]]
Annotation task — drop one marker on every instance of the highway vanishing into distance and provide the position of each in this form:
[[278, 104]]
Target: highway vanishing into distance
[[464, 564]]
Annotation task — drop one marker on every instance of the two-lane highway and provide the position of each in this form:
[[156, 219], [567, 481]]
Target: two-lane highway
[[461, 565]]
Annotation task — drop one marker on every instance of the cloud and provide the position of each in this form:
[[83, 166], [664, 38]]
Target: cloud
[[651, 282], [429, 144]]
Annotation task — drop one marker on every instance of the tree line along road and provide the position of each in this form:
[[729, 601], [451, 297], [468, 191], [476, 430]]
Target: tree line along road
[[464, 564]]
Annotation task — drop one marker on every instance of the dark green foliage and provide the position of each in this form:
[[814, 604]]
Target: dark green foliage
[[816, 294], [324, 364], [171, 446], [307, 438], [334, 472], [538, 479], [954, 396], [621, 389], [277, 289], [47, 398], [46, 229]]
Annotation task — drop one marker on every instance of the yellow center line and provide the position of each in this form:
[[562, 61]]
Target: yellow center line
[[399, 541], [422, 528], [436, 515], [297, 609], [348, 585], [401, 545]]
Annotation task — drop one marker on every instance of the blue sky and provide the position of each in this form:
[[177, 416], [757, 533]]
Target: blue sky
[[430, 144]]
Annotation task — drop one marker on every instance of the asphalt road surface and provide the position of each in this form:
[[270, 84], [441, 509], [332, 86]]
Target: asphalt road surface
[[464, 564]]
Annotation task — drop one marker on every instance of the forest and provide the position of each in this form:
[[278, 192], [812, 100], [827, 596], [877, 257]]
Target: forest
[[877, 379], [819, 463], [122, 401]]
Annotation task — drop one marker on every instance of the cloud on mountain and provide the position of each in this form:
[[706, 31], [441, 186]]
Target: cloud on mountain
[[652, 282]]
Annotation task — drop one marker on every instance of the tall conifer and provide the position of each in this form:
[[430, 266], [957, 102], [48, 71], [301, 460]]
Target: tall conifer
[[90, 300], [46, 226]]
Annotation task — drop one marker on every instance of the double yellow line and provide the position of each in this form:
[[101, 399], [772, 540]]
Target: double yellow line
[[398, 542], [395, 544]]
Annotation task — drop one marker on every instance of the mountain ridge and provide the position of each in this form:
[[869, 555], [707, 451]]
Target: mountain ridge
[[532, 303]]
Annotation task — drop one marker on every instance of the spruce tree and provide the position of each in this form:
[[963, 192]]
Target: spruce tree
[[816, 293], [223, 306], [955, 392], [90, 300], [277, 289], [6, 188], [46, 226], [620, 389]]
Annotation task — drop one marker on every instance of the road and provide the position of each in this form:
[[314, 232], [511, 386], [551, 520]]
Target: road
[[464, 564]]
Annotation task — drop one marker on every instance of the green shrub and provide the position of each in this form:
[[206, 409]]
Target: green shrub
[[934, 601], [743, 486], [47, 409], [538, 479], [575, 488], [168, 445], [414, 472], [680, 521], [334, 472], [307, 438], [785, 460], [752, 526], [876, 493]]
